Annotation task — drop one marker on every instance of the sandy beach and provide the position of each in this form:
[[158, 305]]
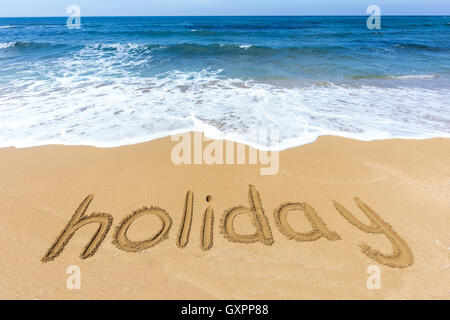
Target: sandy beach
[[405, 182]]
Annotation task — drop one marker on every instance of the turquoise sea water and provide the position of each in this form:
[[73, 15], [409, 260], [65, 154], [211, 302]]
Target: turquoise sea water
[[121, 80]]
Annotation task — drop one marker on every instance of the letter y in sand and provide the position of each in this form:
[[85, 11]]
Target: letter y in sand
[[402, 256]]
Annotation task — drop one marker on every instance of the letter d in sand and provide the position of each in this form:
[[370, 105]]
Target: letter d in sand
[[259, 220]]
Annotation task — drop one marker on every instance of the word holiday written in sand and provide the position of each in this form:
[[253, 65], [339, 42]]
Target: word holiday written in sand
[[401, 257]]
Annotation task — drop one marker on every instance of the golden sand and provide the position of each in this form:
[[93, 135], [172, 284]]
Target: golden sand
[[141, 227]]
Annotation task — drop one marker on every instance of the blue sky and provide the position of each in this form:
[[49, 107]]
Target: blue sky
[[27, 8]]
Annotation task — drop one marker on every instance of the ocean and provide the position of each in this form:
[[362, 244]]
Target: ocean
[[124, 80]]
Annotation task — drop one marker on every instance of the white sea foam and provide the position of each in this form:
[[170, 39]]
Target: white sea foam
[[5, 45], [94, 100], [415, 76]]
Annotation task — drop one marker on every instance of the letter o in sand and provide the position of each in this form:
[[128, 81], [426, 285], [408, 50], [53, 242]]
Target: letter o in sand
[[122, 241]]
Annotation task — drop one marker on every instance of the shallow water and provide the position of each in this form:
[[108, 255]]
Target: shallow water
[[130, 79]]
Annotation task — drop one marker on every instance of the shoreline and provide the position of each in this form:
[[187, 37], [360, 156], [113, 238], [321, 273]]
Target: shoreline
[[405, 182], [216, 136]]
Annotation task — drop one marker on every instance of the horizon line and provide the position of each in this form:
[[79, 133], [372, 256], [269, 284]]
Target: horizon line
[[239, 15]]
